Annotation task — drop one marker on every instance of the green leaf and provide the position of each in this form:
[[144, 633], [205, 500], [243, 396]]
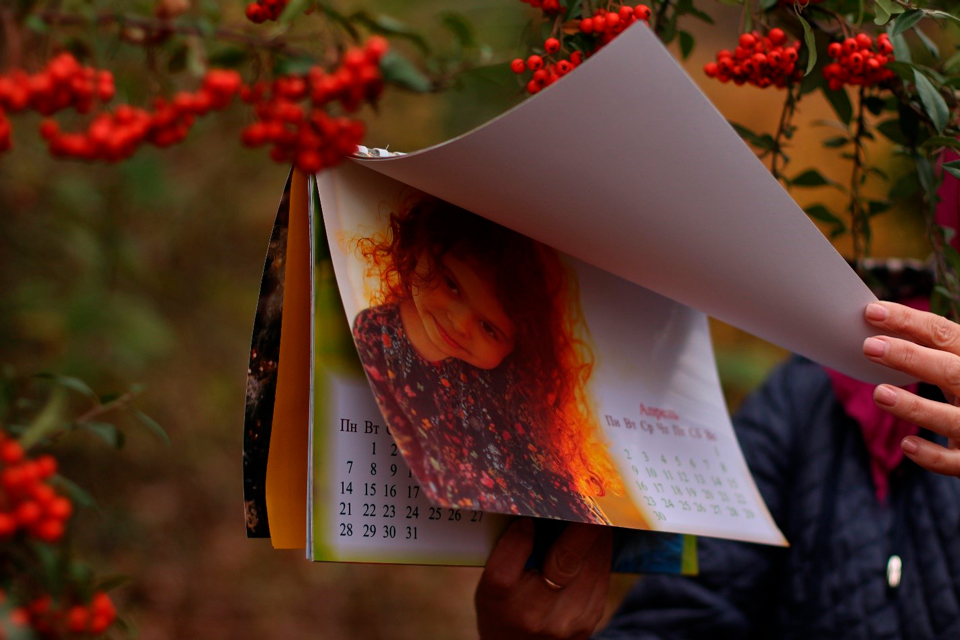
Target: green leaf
[[930, 45], [933, 102], [906, 187], [876, 207], [885, 10], [47, 422], [399, 71], [905, 21], [761, 141], [952, 65], [811, 42], [74, 491], [901, 51], [836, 142], [874, 104], [810, 178], [686, 44], [109, 583], [107, 432], [229, 57], [152, 424], [293, 9], [71, 383], [821, 213], [953, 168], [941, 14], [768, 4], [840, 102], [35, 24], [388, 26], [460, 27], [938, 142]]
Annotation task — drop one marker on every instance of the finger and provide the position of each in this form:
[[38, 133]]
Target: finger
[[922, 326], [573, 615], [932, 456], [596, 603], [566, 556], [507, 560], [936, 367], [930, 414]]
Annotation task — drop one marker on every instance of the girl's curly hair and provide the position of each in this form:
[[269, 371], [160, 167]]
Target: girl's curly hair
[[552, 358]]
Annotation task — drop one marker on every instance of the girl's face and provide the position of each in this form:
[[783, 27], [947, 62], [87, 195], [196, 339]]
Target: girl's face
[[460, 311]]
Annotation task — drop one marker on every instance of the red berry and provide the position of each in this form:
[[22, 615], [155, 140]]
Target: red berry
[[642, 12], [777, 36], [534, 63], [552, 45], [11, 452], [747, 40], [28, 513], [49, 530], [8, 525], [77, 618], [518, 65]]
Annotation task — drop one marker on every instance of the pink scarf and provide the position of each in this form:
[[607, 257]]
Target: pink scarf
[[881, 431]]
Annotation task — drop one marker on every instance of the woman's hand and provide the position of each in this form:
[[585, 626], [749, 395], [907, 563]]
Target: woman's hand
[[563, 601], [930, 352]]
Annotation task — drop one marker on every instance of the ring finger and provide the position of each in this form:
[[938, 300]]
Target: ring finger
[[937, 416], [930, 365]]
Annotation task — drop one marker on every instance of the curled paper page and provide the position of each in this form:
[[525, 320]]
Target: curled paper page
[[657, 188]]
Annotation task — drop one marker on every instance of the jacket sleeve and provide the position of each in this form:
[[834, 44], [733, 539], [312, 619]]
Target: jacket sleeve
[[737, 587]]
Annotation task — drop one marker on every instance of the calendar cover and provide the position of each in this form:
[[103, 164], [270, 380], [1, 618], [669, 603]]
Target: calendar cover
[[358, 497]]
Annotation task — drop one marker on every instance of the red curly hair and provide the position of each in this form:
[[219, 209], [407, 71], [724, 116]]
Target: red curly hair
[[552, 357]]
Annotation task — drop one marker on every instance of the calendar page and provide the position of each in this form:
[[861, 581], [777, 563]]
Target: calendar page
[[366, 505], [510, 378]]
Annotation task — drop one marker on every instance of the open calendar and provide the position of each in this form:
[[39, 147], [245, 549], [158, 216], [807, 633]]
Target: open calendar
[[452, 338]]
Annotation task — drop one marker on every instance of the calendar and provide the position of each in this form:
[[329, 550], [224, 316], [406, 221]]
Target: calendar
[[512, 323], [641, 439]]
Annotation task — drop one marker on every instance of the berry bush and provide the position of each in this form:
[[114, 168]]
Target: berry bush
[[102, 82]]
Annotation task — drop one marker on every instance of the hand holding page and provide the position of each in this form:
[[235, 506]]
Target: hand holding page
[[661, 191]]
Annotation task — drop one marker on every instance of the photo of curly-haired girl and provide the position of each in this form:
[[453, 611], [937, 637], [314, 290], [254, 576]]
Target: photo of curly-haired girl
[[476, 349]]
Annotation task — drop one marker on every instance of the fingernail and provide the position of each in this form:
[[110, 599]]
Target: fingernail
[[909, 445], [874, 347], [876, 312], [885, 394]]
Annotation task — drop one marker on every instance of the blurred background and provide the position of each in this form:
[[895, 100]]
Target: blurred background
[[147, 272]]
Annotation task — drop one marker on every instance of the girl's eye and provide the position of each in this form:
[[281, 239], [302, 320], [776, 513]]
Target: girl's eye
[[452, 284], [489, 329]]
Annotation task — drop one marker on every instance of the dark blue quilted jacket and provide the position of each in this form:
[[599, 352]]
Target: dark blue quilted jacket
[[831, 582]]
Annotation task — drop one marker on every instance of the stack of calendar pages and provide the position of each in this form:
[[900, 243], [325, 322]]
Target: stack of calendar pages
[[514, 323]]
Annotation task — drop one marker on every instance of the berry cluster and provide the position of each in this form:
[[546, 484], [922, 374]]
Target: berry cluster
[[547, 6], [607, 25], [114, 136], [62, 84], [758, 60], [859, 61], [50, 621], [546, 72], [28, 503], [604, 25], [263, 10], [306, 134]]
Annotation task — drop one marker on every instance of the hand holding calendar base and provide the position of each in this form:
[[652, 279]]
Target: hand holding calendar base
[[929, 350], [563, 600]]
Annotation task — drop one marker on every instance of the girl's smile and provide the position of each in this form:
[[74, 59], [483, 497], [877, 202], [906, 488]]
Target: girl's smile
[[454, 312]]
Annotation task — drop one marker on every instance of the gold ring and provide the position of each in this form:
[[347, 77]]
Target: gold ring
[[551, 584]]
